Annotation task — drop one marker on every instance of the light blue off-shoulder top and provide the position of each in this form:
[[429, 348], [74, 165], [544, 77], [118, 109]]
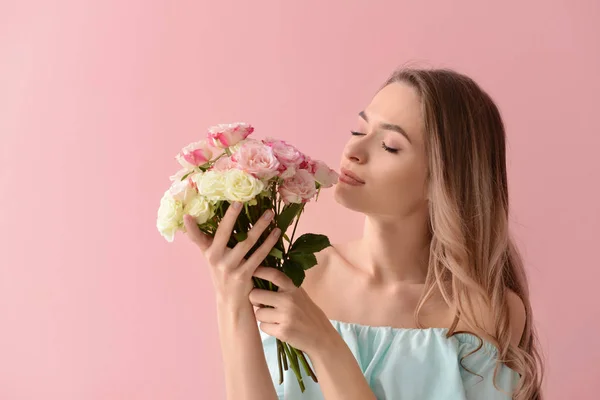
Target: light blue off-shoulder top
[[408, 364]]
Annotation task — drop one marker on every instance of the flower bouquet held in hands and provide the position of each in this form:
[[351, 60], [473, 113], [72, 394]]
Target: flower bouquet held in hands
[[263, 175]]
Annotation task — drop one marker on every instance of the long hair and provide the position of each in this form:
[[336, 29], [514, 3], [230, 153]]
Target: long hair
[[472, 254]]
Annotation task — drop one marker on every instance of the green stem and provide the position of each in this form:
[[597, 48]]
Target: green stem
[[239, 225], [215, 160], [296, 224], [247, 212], [295, 367], [280, 360], [279, 206], [307, 368], [258, 283], [283, 356]]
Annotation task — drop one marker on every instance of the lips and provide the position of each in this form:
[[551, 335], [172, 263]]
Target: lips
[[351, 174]]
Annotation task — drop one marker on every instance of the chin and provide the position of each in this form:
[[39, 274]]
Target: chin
[[348, 199]]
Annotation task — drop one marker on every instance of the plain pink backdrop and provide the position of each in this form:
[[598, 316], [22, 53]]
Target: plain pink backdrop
[[96, 97]]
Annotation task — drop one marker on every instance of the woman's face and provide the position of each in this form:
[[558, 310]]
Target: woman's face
[[386, 151]]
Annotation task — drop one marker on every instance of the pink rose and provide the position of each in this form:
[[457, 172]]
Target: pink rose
[[227, 135], [195, 154], [223, 164], [256, 159], [298, 189], [288, 155], [308, 164], [286, 173], [269, 140], [323, 174]]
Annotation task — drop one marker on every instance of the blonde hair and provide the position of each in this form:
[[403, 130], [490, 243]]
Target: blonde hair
[[472, 253]]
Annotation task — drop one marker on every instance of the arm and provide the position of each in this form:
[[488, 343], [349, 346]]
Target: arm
[[247, 376], [339, 375], [294, 318]]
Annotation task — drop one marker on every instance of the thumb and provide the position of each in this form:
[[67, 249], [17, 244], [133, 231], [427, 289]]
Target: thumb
[[201, 240]]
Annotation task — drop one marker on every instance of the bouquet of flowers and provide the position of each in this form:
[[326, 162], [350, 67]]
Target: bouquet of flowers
[[227, 167]]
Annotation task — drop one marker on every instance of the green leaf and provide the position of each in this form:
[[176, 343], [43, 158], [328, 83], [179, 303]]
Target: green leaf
[[240, 236], [294, 271], [306, 260], [284, 220], [276, 253], [310, 243], [185, 176]]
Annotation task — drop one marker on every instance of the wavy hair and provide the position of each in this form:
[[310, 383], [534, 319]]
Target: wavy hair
[[472, 254]]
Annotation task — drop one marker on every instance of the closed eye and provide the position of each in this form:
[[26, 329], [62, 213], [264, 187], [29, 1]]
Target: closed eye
[[383, 145], [389, 149]]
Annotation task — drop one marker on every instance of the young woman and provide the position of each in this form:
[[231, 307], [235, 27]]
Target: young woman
[[431, 302]]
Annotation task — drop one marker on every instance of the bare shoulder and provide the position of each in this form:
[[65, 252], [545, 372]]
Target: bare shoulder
[[517, 318]]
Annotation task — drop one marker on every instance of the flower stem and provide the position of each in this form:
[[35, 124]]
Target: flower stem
[[296, 224], [295, 366], [280, 360], [307, 368]]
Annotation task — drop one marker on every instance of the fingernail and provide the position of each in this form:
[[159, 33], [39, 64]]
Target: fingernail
[[268, 214], [237, 205], [276, 232]]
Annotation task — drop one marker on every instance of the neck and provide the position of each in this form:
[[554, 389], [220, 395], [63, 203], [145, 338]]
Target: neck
[[395, 250]]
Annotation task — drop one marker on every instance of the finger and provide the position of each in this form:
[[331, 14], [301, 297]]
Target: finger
[[195, 234], [225, 227], [241, 249], [269, 329], [262, 297], [267, 315], [275, 276], [250, 265]]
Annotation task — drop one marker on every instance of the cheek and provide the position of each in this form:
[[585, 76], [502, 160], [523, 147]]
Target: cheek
[[405, 183]]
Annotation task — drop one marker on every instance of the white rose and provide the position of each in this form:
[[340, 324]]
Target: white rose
[[211, 185], [170, 216], [240, 186], [199, 208]]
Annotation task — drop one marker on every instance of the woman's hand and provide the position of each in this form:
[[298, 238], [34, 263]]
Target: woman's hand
[[231, 273], [295, 318]]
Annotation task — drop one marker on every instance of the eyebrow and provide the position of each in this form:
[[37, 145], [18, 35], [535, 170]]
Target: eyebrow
[[387, 127]]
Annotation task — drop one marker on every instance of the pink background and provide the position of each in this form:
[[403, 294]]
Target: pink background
[[97, 97]]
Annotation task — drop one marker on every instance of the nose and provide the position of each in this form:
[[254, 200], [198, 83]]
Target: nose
[[356, 153], [355, 159]]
